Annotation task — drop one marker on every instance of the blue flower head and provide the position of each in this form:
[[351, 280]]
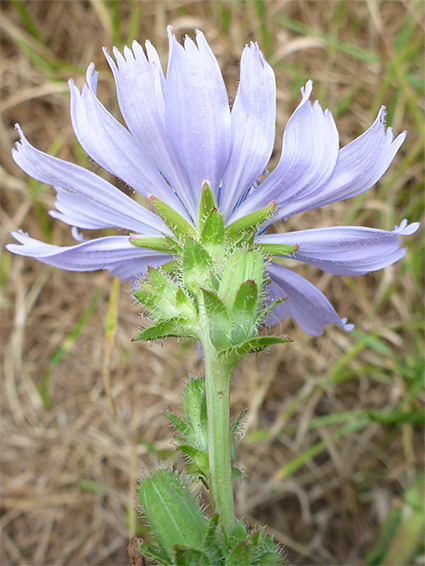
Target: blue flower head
[[182, 133]]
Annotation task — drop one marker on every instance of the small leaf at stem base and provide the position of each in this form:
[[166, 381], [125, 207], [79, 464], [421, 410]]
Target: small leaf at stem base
[[172, 512]]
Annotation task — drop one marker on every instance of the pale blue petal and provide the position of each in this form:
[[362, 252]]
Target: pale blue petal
[[280, 311], [113, 147], [114, 253], [197, 113], [86, 188], [308, 306], [359, 166], [82, 211], [139, 80], [309, 154], [347, 250], [253, 122]]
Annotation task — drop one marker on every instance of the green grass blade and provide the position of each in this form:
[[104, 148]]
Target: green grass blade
[[291, 467], [332, 42], [261, 9], [27, 21], [402, 536]]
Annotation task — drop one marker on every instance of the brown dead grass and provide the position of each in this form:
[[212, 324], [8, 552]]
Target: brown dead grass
[[331, 510]]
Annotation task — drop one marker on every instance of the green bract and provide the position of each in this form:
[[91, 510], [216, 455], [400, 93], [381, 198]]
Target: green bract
[[214, 288], [197, 267], [172, 219], [250, 222]]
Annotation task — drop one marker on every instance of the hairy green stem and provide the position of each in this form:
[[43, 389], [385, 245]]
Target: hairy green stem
[[217, 383], [217, 386]]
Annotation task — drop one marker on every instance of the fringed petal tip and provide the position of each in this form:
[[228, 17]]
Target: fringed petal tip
[[18, 144], [251, 46], [19, 235], [171, 37], [200, 39], [306, 90], [27, 246], [92, 77], [388, 134], [258, 61], [188, 43], [347, 326], [109, 59], [21, 141], [406, 229], [120, 59], [77, 235]]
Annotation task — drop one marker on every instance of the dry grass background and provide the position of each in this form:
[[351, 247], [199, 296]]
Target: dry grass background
[[333, 447]]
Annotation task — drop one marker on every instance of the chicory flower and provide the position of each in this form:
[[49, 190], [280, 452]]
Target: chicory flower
[[182, 133]]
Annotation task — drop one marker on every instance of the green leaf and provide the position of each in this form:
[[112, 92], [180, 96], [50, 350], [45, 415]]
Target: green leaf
[[254, 269], [196, 266], [242, 266], [240, 555], [176, 327], [193, 394], [177, 224], [264, 312], [158, 244], [235, 433], [174, 245], [256, 540], [172, 512], [210, 544], [185, 305], [218, 319], [162, 285], [198, 457], [263, 549], [245, 312], [179, 424], [238, 534], [160, 307], [250, 222], [169, 267], [212, 236], [228, 277], [195, 411], [184, 556], [254, 345], [270, 558], [150, 551], [244, 240], [236, 473], [206, 205]]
